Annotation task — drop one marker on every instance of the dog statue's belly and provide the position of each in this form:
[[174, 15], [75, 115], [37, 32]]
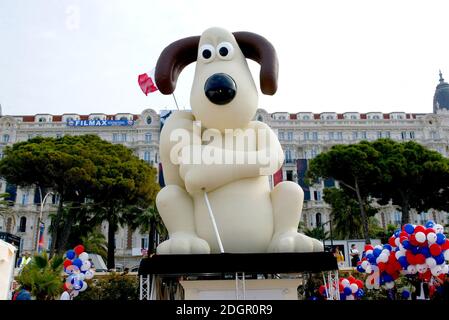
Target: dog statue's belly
[[243, 213]]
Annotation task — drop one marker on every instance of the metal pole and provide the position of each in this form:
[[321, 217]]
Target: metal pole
[[40, 217]]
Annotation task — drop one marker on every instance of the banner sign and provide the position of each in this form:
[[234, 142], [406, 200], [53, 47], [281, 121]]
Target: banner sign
[[99, 123]]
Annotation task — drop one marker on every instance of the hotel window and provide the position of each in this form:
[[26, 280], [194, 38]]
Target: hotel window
[[404, 135], [363, 135], [25, 198], [123, 137], [412, 134], [149, 120], [387, 134], [123, 118], [42, 119], [339, 136], [314, 136], [318, 219], [434, 135], [354, 117], [115, 137], [289, 135], [281, 135], [148, 137], [144, 243], [306, 136], [6, 138], [331, 136], [288, 156], [379, 134], [355, 135], [306, 118], [147, 156], [313, 153], [23, 224], [58, 135], [397, 218]]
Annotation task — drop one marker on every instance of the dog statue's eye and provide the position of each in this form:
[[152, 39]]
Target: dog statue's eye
[[207, 52], [225, 50]]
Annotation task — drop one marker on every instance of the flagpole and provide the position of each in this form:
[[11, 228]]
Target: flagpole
[[173, 94]]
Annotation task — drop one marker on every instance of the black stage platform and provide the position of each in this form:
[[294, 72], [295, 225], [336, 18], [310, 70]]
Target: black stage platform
[[256, 263]]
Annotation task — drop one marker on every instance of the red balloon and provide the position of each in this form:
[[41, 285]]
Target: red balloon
[[429, 230], [369, 247], [79, 249], [435, 249], [381, 266], [403, 234], [351, 279], [445, 245], [322, 289], [359, 283], [413, 240], [402, 239], [420, 229], [64, 287], [410, 257], [341, 288], [390, 269], [67, 263], [420, 258], [391, 241]]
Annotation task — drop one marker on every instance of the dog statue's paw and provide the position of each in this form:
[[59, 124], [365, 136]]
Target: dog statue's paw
[[294, 242], [183, 244]]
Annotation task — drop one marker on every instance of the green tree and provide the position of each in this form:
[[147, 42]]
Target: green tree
[[317, 233], [353, 166], [95, 242], [411, 176], [122, 180], [44, 276]]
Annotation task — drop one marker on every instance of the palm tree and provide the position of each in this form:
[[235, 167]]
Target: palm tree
[[149, 220], [95, 242], [317, 233], [43, 276]]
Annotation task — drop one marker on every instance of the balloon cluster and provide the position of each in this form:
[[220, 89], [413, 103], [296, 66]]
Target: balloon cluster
[[349, 288], [78, 268], [416, 249]]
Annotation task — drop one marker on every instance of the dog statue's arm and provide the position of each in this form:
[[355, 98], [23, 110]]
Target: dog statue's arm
[[266, 160], [180, 123]]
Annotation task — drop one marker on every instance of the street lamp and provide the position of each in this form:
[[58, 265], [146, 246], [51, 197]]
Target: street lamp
[[40, 218], [330, 229]]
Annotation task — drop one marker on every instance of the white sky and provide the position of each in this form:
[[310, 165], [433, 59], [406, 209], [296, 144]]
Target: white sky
[[84, 56]]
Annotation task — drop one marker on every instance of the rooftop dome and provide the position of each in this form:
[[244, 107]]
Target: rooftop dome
[[441, 97]]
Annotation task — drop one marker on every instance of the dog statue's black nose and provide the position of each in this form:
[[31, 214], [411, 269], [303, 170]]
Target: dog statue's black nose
[[220, 88]]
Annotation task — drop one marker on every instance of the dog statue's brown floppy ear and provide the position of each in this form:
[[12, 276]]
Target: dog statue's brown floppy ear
[[172, 60], [259, 49]]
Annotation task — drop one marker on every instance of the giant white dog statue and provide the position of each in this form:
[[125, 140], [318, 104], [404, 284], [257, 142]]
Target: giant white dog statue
[[202, 151], [7, 261]]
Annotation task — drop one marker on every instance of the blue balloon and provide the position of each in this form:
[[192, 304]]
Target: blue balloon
[[342, 296], [396, 233], [406, 244], [372, 260], [70, 254], [409, 228], [426, 252], [78, 262], [313, 298], [347, 291], [360, 293], [440, 258], [388, 247], [403, 261], [430, 224], [377, 252], [387, 277], [405, 294], [415, 250], [441, 238], [360, 269]]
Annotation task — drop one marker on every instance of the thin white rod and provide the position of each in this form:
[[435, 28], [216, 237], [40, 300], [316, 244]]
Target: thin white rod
[[220, 244]]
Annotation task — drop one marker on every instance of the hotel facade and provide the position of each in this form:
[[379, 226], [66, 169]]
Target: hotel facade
[[303, 135]]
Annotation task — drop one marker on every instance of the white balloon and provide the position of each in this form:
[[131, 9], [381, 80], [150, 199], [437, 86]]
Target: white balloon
[[422, 268], [369, 252], [436, 271], [368, 269], [81, 276], [438, 228], [446, 255], [420, 237], [345, 283], [385, 251], [397, 242], [383, 257], [84, 256], [389, 285], [411, 269], [86, 266], [354, 287], [350, 297], [89, 274], [445, 269], [431, 237], [84, 287], [365, 264], [431, 262], [74, 293], [378, 247]]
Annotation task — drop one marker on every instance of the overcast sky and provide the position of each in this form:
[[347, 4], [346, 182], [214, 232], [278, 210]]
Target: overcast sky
[[84, 56]]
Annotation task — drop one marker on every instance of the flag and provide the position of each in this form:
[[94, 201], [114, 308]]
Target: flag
[[41, 237], [147, 82], [161, 176], [277, 177]]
